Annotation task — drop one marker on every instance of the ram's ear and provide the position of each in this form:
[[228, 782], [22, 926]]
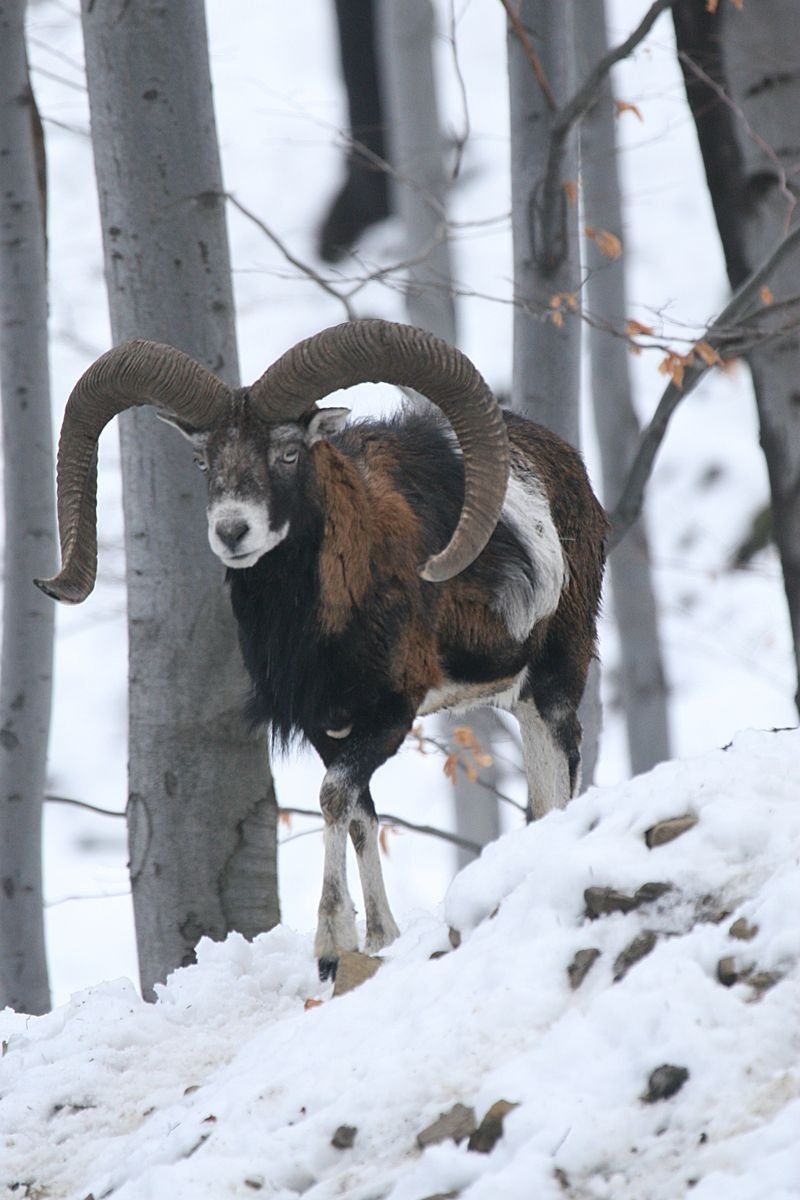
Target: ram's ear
[[325, 423], [197, 437]]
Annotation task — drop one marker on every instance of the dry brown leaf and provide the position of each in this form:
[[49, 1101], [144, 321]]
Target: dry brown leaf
[[285, 818], [464, 735], [674, 365], [450, 767], [623, 106], [765, 295], [557, 318], [712, 6], [607, 242], [311, 1003], [633, 328], [709, 355], [571, 192], [383, 838]]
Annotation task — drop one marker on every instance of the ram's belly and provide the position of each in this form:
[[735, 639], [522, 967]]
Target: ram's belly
[[461, 696]]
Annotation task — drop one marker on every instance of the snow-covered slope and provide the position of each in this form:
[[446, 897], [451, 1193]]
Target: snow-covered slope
[[231, 1085]]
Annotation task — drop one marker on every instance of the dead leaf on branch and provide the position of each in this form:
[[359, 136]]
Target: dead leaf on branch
[[383, 837], [765, 295], [709, 355], [607, 242], [623, 106], [571, 192], [674, 365], [634, 328]]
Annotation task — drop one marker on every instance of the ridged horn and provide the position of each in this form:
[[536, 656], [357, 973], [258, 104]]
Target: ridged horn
[[373, 351], [133, 374]]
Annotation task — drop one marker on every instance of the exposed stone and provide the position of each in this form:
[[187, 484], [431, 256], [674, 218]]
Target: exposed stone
[[455, 1125], [727, 972], [636, 950], [354, 969], [581, 965], [762, 981], [742, 931], [666, 831], [561, 1177], [664, 1082], [649, 892], [444, 1196], [490, 1130], [602, 901], [344, 1137], [455, 938]]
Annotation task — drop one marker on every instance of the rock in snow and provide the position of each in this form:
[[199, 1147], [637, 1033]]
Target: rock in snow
[[230, 1084]]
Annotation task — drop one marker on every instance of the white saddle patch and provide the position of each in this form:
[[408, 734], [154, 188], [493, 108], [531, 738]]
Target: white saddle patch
[[527, 512]]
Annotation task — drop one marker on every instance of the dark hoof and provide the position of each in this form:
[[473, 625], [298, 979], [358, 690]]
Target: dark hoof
[[327, 968]]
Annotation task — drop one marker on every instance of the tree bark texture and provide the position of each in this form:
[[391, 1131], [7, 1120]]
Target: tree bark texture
[[546, 374], [644, 692], [545, 387], [742, 72], [201, 809], [28, 616]]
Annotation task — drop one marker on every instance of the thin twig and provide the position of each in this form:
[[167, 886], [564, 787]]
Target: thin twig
[[742, 307], [521, 34], [292, 258], [567, 117], [390, 819], [104, 812]]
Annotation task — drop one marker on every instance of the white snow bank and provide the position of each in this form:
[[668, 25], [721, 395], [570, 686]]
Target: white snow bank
[[228, 1086]]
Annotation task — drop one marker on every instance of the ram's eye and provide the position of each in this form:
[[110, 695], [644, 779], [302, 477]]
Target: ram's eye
[[200, 462], [290, 454]]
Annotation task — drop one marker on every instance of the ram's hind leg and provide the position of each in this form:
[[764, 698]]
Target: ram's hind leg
[[381, 926]]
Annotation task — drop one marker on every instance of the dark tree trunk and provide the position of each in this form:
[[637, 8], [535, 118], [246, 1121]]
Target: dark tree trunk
[[742, 72]]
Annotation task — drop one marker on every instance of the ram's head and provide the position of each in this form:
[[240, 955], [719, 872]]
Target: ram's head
[[279, 412]]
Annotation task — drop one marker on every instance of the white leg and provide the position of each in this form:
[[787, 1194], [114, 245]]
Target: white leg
[[381, 926], [546, 762], [336, 925]]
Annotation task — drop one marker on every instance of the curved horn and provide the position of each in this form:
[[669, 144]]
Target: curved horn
[[133, 374], [373, 351]]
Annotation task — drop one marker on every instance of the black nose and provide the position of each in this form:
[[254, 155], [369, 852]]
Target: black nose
[[232, 533]]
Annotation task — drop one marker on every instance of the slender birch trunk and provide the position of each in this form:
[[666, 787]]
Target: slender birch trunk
[[201, 809], [644, 692], [417, 152], [28, 616], [542, 72]]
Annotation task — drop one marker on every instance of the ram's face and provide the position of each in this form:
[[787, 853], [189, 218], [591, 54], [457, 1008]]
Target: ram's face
[[257, 475]]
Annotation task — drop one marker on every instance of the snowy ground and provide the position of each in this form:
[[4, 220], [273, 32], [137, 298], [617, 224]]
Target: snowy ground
[[233, 1085], [95, 1094]]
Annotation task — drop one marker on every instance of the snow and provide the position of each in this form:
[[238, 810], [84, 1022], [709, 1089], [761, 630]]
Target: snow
[[229, 1085]]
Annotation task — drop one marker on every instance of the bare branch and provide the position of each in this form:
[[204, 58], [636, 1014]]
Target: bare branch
[[104, 812], [292, 258], [570, 113], [744, 307], [390, 819], [521, 35]]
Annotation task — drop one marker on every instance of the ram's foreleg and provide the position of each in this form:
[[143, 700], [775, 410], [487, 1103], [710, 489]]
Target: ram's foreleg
[[336, 920], [348, 809], [381, 926]]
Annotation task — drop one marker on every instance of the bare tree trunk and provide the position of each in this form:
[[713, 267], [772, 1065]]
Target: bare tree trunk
[[644, 692], [417, 152], [742, 72], [546, 379], [27, 650], [544, 224], [201, 809]]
